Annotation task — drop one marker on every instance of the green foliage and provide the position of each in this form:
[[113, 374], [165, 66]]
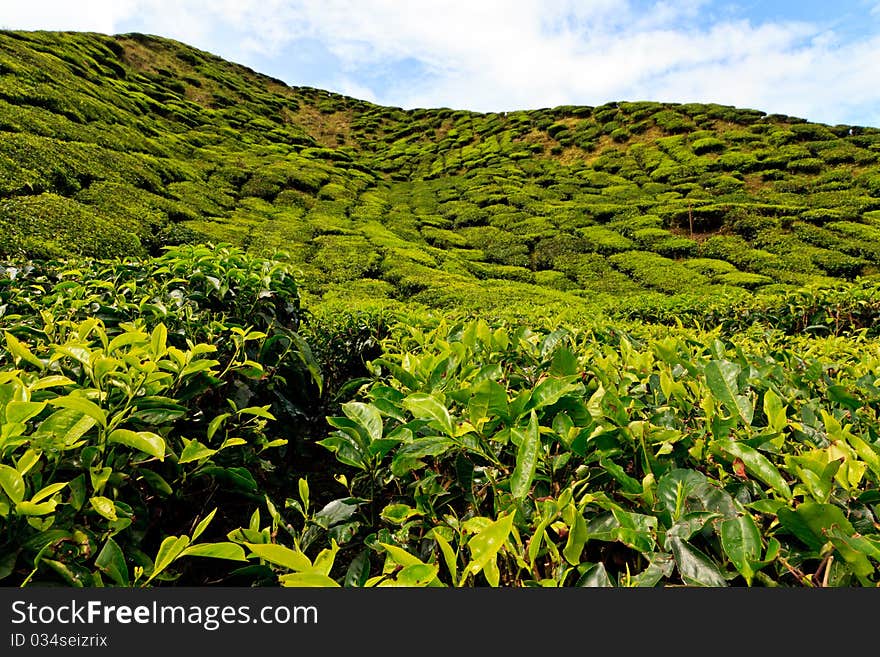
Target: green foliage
[[129, 382], [409, 430], [48, 225], [707, 145], [656, 272], [550, 478]]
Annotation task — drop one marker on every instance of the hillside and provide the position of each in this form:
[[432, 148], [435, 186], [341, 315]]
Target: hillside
[[117, 146], [261, 335]]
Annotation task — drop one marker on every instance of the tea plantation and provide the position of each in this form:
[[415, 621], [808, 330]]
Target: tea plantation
[[261, 335]]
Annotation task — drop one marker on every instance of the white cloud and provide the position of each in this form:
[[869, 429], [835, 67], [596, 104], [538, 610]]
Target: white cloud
[[93, 16], [499, 55]]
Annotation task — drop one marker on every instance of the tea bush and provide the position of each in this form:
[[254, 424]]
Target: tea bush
[[131, 389], [495, 455]]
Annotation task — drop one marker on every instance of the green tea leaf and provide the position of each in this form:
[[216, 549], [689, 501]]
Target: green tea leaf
[[404, 558], [72, 577], [741, 540], [577, 538], [564, 362], [22, 411], [169, 550], [28, 508], [104, 506], [27, 461], [346, 449], [695, 568], [449, 555], [111, 562], [303, 486], [755, 463], [775, 411], [51, 382], [281, 556], [215, 424], [224, 550], [415, 575], [812, 521], [408, 456], [855, 550], [358, 571], [629, 484], [203, 524], [596, 576], [193, 450], [84, 406], [721, 376], [424, 406], [865, 451], [307, 579], [551, 390], [158, 340], [68, 425], [48, 491], [20, 352], [488, 400], [257, 411], [487, 542], [398, 514], [323, 563], [365, 416], [12, 483], [156, 481], [147, 442], [675, 487], [526, 459], [401, 556]]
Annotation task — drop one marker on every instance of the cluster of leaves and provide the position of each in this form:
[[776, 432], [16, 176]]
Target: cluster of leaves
[[840, 309], [502, 456], [133, 396]]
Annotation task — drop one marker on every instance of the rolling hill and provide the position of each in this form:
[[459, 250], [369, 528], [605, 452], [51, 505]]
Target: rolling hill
[[116, 146]]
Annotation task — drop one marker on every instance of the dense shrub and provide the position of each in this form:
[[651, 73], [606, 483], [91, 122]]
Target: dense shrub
[[658, 273], [143, 380], [49, 225], [708, 145]]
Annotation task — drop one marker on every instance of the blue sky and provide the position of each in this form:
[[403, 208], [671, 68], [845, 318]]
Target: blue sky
[[816, 60]]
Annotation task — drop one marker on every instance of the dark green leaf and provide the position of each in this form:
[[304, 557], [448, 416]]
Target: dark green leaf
[[596, 576], [721, 376], [358, 571], [526, 459], [111, 561], [695, 568], [741, 540]]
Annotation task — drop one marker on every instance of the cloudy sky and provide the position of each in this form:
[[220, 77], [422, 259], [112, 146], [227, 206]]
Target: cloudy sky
[[816, 59]]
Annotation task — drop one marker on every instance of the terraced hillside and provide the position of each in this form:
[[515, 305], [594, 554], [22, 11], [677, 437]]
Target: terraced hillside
[[120, 145]]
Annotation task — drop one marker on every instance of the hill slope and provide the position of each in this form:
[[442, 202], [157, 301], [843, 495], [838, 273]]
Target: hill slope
[[121, 145]]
